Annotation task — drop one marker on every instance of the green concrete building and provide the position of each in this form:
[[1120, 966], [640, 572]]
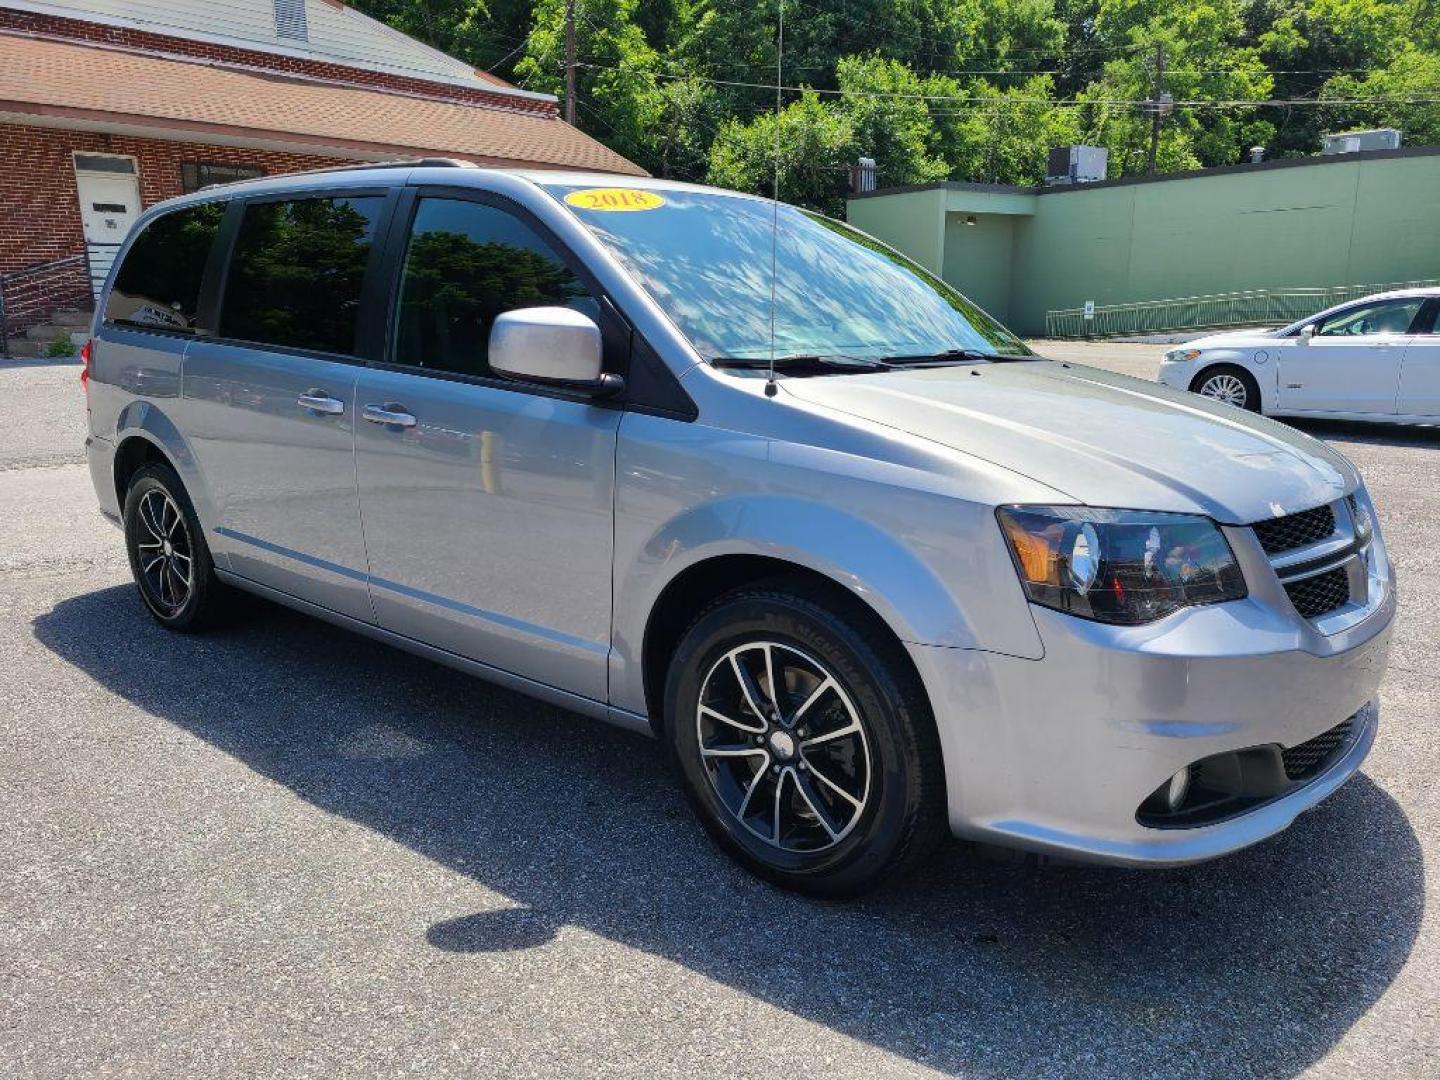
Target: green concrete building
[[1321, 223]]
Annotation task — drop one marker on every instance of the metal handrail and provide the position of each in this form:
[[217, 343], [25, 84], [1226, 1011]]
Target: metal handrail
[[1251, 307], [31, 293]]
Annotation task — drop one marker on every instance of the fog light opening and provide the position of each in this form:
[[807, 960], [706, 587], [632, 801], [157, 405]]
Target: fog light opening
[[1177, 789]]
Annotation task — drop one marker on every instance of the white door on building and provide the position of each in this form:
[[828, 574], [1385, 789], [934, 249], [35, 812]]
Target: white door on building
[[109, 204]]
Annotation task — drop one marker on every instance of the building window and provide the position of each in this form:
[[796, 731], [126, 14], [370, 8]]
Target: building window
[[109, 163], [195, 175]]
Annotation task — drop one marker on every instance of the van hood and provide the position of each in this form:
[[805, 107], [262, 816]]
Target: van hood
[[1099, 438]]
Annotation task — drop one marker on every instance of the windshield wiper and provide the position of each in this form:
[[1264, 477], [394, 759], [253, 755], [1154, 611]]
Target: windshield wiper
[[956, 356], [800, 363]]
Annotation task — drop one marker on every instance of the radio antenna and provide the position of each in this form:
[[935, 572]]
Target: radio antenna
[[775, 201]]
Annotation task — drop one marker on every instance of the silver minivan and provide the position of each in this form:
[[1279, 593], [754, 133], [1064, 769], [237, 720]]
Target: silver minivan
[[743, 478]]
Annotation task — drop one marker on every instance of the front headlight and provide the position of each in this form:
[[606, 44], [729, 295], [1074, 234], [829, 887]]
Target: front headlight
[[1183, 354], [1119, 566]]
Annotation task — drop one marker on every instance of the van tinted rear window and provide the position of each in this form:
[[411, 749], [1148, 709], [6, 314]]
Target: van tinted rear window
[[158, 284], [297, 272]]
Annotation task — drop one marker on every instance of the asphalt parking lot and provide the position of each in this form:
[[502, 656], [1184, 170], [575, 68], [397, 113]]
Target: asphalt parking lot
[[284, 850]]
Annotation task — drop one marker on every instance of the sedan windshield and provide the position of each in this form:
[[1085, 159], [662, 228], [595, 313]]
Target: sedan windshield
[[705, 257]]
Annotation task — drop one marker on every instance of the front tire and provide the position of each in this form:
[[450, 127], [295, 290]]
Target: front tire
[[805, 741], [168, 555], [1229, 384]]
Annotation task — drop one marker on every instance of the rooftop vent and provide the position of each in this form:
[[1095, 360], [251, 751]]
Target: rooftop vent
[[1077, 164], [1353, 142], [290, 20], [862, 176]]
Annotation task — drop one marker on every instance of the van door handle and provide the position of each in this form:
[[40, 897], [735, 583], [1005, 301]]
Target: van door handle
[[389, 413], [318, 401]]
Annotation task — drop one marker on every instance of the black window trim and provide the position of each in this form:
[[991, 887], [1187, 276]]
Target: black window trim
[[222, 256], [620, 335], [198, 331], [1427, 317]]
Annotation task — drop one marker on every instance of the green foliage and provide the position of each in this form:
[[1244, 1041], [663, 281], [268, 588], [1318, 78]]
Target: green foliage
[[886, 107], [1005, 137], [481, 32], [965, 89], [621, 100], [815, 147], [60, 345], [1329, 48], [1205, 60], [1414, 72]]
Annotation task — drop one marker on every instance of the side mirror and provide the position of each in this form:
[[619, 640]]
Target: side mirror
[[553, 346], [1306, 333]]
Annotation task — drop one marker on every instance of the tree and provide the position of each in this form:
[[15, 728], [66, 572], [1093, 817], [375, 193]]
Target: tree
[[1329, 47], [621, 102], [1004, 136], [816, 147], [1204, 61], [1415, 73], [481, 32], [884, 103], [969, 89]]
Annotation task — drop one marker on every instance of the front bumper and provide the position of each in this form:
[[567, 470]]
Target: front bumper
[[1177, 373], [1057, 755]]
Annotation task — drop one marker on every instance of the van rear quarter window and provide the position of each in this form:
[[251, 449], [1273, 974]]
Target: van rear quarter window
[[158, 284], [297, 272]]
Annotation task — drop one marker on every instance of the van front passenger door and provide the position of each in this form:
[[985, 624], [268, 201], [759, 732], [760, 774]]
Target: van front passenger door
[[486, 502]]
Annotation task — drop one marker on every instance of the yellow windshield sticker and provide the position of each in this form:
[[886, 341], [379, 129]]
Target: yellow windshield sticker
[[615, 199]]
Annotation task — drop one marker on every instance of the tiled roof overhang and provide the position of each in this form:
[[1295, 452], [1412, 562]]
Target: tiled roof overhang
[[79, 85]]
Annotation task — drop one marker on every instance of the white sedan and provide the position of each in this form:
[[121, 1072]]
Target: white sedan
[[1371, 359]]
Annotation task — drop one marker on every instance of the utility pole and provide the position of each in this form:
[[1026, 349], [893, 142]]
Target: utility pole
[[570, 64], [1157, 105]]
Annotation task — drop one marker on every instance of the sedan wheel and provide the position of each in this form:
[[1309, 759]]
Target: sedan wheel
[[1226, 387]]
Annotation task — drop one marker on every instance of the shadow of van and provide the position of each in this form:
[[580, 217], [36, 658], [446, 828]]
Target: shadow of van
[[1252, 965]]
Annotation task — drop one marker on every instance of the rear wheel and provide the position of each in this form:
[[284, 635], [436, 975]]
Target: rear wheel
[[1230, 384], [806, 745], [168, 554]]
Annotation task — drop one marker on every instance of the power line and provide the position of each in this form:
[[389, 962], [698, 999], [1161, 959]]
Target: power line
[[1010, 100]]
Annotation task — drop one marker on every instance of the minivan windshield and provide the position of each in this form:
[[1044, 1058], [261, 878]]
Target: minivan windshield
[[705, 257]]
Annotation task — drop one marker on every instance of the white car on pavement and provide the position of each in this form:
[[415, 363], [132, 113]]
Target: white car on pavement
[[1371, 359]]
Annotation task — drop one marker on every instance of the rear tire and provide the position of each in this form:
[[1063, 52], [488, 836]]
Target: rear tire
[[1229, 384], [836, 786], [168, 554]]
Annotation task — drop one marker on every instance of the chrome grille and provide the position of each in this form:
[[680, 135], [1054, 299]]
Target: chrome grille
[[1321, 594], [1296, 531], [1309, 758]]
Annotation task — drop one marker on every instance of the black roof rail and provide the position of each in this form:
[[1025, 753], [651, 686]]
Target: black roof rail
[[401, 163], [406, 163]]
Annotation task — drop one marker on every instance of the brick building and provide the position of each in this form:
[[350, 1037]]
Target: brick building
[[107, 106]]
